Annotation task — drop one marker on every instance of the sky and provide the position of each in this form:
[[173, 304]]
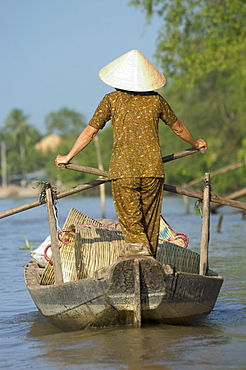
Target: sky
[[52, 50]]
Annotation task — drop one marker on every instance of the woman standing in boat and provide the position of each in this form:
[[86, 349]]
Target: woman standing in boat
[[136, 170]]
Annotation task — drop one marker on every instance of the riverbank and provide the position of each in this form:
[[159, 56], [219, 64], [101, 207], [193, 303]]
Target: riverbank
[[32, 192], [19, 192]]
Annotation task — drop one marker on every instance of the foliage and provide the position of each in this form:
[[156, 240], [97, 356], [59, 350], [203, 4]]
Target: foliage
[[20, 132], [199, 37], [65, 122], [201, 47], [28, 245], [20, 137]]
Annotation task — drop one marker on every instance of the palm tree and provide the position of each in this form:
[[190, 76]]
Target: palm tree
[[16, 125], [21, 137]]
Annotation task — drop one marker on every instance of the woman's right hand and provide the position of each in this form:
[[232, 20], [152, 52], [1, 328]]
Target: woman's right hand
[[201, 145], [61, 159]]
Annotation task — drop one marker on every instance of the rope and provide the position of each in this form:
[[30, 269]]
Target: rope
[[64, 241], [42, 197], [109, 228], [182, 236], [199, 202]]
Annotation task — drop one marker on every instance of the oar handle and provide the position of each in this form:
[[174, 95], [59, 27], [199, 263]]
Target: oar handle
[[203, 150], [182, 154], [77, 167]]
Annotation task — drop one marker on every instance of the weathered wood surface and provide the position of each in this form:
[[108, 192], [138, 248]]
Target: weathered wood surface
[[232, 196], [164, 297], [54, 236], [198, 195], [203, 269], [137, 298], [181, 154], [85, 169]]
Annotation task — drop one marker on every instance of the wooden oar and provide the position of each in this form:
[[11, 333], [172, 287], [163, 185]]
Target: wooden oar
[[169, 188], [196, 194], [96, 171], [181, 154], [65, 193], [91, 184], [85, 169]]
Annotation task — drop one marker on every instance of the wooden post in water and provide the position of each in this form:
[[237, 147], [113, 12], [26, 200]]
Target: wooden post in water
[[205, 226], [219, 224], [53, 236]]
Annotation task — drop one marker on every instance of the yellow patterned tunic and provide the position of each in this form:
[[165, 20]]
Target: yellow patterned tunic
[[134, 117]]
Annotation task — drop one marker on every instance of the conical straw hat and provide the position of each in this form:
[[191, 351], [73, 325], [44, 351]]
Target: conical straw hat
[[132, 72]]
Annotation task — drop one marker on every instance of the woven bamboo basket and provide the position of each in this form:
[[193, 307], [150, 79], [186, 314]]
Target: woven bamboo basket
[[67, 251], [181, 258], [95, 248], [172, 250], [91, 245]]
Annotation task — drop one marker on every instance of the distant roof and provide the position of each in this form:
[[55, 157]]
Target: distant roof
[[49, 142]]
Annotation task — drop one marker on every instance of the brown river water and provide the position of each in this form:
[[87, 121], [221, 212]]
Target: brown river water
[[29, 341]]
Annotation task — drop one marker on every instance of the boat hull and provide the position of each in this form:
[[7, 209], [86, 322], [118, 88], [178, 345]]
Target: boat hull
[[110, 299]]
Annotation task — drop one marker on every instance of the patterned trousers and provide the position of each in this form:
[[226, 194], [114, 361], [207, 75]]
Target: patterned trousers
[[138, 203]]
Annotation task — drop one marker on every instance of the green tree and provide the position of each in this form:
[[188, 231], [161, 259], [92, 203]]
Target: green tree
[[199, 37], [201, 49], [20, 131], [65, 122], [20, 137], [68, 124]]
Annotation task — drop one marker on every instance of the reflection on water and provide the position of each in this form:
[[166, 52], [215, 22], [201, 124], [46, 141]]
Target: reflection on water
[[116, 348], [28, 340]]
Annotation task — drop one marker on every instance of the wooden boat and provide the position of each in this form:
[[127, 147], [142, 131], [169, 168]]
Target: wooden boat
[[91, 286], [82, 291], [102, 289]]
